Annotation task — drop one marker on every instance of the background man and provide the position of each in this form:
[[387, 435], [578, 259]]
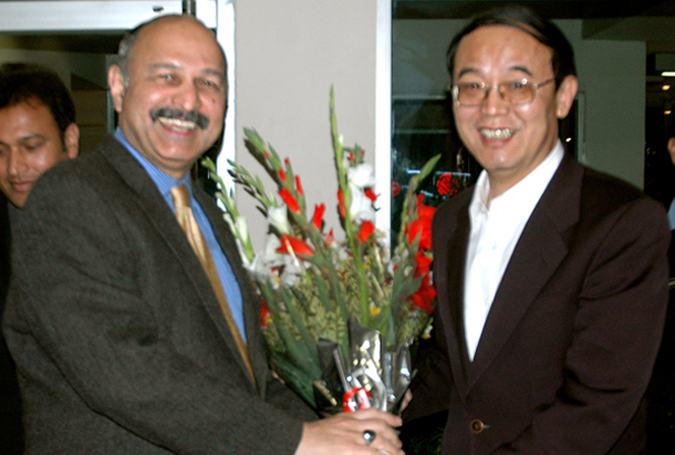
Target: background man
[[551, 278], [37, 130], [145, 347], [661, 390]]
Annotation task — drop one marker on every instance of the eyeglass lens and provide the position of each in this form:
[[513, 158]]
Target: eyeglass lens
[[514, 92]]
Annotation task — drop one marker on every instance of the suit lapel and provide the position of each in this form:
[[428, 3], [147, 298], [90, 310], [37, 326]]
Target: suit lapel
[[539, 252], [251, 305], [168, 228], [449, 265]]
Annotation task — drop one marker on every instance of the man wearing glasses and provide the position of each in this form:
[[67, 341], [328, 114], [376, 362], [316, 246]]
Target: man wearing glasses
[[551, 277]]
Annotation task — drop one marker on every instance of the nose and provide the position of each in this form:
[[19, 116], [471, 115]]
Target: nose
[[494, 103], [187, 96], [16, 163]]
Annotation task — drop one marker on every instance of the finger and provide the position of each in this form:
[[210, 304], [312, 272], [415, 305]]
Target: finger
[[381, 444], [376, 414], [379, 435], [407, 398]]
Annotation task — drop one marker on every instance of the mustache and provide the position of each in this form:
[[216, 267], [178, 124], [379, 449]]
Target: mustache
[[189, 116]]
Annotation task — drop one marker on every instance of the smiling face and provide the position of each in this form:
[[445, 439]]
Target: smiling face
[[173, 107], [509, 141], [30, 143]]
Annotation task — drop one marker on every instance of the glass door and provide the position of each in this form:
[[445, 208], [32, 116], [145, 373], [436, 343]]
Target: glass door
[[78, 39]]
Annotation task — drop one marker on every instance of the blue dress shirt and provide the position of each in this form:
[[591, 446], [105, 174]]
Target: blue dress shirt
[[164, 183]]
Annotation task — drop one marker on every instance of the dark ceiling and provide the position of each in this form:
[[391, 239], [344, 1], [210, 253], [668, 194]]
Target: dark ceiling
[[651, 21], [551, 9]]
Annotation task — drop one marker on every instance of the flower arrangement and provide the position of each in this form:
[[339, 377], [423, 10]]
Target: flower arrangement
[[338, 315]]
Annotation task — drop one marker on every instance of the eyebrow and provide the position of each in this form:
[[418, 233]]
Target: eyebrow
[[210, 71], [29, 137], [23, 139], [522, 69]]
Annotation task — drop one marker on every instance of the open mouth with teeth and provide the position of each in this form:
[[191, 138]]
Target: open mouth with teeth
[[500, 133], [177, 124]]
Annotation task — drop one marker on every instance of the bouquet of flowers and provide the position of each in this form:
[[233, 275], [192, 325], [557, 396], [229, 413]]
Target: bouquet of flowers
[[339, 315]]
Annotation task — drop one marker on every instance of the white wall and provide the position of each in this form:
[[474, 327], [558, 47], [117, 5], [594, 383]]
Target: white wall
[[611, 77], [288, 54]]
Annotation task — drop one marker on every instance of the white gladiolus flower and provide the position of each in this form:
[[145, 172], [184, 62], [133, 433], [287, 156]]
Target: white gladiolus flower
[[235, 226], [278, 217], [293, 268], [242, 229], [360, 206], [267, 259], [362, 176]]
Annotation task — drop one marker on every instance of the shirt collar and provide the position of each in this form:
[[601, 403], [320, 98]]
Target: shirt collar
[[524, 195], [162, 180]]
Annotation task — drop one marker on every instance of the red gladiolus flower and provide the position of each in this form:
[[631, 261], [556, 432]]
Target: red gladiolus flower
[[329, 238], [341, 203], [298, 186], [424, 297], [422, 225], [293, 244], [366, 230], [265, 315], [370, 194], [282, 175], [422, 264], [424, 211], [290, 201], [317, 219]]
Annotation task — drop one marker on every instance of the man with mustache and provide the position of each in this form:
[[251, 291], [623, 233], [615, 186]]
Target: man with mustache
[[137, 332], [551, 277], [37, 130]]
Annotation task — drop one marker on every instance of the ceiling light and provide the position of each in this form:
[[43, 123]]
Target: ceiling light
[[667, 112], [668, 74], [665, 87]]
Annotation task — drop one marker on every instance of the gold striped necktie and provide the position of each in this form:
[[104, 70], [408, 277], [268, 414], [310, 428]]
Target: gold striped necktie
[[187, 221]]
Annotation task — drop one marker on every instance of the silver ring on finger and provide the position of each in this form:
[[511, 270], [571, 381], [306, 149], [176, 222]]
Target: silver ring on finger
[[369, 436]]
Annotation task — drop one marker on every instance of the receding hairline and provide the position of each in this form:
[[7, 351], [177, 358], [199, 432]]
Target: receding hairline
[[130, 39], [526, 20]]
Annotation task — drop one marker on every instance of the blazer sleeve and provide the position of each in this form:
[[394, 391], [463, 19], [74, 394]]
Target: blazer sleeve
[[100, 313]]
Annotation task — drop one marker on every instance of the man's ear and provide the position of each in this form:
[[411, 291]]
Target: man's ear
[[565, 96], [117, 86], [71, 139]]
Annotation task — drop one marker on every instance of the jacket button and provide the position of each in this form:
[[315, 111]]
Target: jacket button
[[477, 426]]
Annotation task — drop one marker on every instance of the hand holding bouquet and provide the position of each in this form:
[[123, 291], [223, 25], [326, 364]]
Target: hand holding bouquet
[[339, 315]]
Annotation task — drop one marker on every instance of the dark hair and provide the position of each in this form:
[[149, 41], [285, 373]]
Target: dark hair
[[129, 39], [531, 23], [20, 82]]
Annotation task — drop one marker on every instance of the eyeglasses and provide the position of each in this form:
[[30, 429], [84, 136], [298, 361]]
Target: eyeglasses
[[514, 92]]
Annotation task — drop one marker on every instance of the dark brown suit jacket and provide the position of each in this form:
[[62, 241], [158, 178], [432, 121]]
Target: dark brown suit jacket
[[119, 340], [11, 431], [570, 340]]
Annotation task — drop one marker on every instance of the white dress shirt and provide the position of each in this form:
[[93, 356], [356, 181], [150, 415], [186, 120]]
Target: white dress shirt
[[495, 231]]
